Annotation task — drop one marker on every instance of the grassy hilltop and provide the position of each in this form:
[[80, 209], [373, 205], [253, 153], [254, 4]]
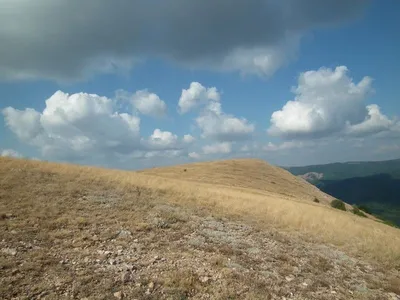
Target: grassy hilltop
[[238, 229]]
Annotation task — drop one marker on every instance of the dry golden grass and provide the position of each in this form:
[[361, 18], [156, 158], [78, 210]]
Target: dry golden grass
[[230, 233], [256, 176], [243, 189]]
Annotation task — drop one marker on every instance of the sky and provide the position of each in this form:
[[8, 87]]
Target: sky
[[137, 84]]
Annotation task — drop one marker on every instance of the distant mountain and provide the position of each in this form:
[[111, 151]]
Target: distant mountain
[[337, 171], [374, 185]]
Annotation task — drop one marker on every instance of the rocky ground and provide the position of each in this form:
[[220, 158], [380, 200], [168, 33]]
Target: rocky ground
[[175, 254], [73, 239]]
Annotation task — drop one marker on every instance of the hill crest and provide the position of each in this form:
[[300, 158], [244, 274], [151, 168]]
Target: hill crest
[[253, 174]]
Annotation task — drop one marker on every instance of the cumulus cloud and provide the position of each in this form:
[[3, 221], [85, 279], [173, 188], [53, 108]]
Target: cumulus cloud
[[81, 125], [196, 95], [188, 139], [163, 153], [287, 145], [149, 104], [212, 121], [25, 124], [163, 139], [10, 153], [374, 122], [194, 155], [326, 102], [36, 35], [223, 127], [218, 148]]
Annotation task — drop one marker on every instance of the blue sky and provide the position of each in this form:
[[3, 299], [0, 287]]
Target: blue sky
[[342, 58]]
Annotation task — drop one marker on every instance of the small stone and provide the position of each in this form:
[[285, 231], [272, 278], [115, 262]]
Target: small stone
[[135, 240], [204, 279], [118, 295], [10, 251], [112, 261], [304, 284], [289, 278], [333, 292], [393, 296], [119, 252], [151, 286], [124, 233]]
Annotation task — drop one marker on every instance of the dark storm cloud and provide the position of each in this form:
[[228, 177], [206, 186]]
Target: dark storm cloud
[[69, 39]]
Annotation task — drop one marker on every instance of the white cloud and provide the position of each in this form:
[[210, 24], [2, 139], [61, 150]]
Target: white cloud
[[163, 153], [374, 122], [196, 95], [77, 125], [212, 121], [223, 127], [25, 124], [287, 145], [218, 148], [149, 104], [163, 139], [10, 153], [328, 101], [194, 155], [188, 139], [90, 128]]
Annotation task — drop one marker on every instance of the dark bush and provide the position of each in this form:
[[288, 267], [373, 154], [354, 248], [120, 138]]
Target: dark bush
[[338, 204], [358, 212], [316, 200], [364, 208]]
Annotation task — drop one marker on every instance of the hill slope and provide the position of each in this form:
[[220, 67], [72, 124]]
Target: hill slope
[[253, 174], [88, 233]]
